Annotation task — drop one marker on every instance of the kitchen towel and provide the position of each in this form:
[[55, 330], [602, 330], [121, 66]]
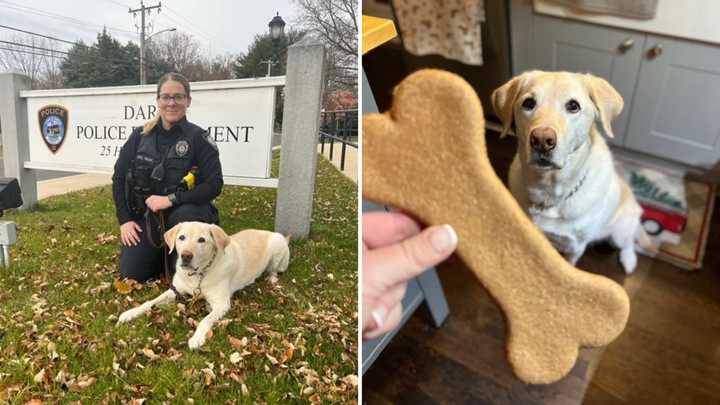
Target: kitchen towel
[[450, 28]]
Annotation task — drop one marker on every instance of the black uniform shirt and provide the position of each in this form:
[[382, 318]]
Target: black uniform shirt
[[208, 182]]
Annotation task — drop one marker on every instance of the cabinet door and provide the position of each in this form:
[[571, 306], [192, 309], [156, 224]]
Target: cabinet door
[[610, 53], [677, 105]]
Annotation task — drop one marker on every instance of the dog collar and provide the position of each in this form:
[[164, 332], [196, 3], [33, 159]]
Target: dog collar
[[207, 266], [539, 206]]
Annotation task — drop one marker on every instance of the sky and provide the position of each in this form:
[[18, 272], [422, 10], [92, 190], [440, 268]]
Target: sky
[[220, 26]]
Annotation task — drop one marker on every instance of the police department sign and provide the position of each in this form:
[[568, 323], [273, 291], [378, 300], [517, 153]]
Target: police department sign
[[53, 124], [238, 115]]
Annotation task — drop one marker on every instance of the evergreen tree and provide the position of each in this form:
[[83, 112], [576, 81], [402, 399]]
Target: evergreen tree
[[251, 64], [104, 63]]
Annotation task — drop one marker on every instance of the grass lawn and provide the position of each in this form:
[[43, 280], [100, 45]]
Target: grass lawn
[[295, 342]]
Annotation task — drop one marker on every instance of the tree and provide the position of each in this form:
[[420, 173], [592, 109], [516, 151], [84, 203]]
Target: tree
[[35, 58], [336, 23], [174, 52], [105, 63], [262, 49]]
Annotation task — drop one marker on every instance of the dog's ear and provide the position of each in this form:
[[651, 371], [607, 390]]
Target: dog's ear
[[608, 103], [170, 237], [221, 238], [504, 97]]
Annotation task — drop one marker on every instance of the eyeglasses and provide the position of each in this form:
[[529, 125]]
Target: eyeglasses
[[179, 98]]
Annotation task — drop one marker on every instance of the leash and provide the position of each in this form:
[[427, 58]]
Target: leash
[[160, 218]]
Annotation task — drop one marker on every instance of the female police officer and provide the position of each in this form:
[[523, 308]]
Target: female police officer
[[148, 179]]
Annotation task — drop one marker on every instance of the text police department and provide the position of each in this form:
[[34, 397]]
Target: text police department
[[239, 133]]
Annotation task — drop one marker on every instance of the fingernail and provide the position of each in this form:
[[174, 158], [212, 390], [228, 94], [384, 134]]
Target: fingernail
[[443, 238], [379, 315]]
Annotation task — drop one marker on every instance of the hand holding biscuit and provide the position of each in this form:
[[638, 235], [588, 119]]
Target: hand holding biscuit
[[394, 251]]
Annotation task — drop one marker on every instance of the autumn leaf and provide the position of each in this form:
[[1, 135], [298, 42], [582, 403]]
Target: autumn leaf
[[105, 238], [235, 342], [122, 287], [150, 354], [235, 358], [40, 376], [287, 356], [83, 381], [351, 380]]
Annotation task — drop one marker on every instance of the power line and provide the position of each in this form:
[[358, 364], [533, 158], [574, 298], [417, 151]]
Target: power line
[[33, 53], [190, 23], [119, 4], [61, 17], [31, 46], [212, 41], [35, 33]]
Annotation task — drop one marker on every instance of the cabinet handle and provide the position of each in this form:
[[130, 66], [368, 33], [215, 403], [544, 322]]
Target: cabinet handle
[[626, 45], [655, 51]]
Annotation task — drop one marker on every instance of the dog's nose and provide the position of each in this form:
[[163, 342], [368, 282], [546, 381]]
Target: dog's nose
[[186, 256], [543, 139]]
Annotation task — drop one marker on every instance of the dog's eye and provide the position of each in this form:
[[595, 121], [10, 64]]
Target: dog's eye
[[181, 237], [572, 106], [529, 103], [201, 240]]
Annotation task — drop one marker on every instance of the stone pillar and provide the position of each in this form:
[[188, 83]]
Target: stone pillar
[[15, 140], [301, 123]]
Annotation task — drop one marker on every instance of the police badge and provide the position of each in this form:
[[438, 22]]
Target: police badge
[[181, 148], [53, 125]]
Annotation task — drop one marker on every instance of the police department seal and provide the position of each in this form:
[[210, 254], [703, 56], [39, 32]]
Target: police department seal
[[181, 148], [53, 121]]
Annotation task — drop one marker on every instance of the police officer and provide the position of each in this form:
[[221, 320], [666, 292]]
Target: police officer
[[151, 178]]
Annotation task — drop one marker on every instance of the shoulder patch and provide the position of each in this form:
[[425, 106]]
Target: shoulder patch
[[210, 140]]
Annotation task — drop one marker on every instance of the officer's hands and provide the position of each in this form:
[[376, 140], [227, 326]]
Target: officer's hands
[[129, 233], [158, 202]]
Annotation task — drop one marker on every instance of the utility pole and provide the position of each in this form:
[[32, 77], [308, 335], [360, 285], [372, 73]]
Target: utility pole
[[270, 64], [142, 11]]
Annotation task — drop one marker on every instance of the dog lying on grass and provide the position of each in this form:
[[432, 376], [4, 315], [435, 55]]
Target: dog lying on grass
[[213, 265]]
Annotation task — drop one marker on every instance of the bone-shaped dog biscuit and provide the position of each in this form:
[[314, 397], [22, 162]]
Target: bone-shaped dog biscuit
[[427, 156]]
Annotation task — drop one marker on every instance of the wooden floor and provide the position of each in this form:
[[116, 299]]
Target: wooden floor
[[669, 352]]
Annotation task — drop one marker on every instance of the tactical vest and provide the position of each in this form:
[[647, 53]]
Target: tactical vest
[[151, 173]]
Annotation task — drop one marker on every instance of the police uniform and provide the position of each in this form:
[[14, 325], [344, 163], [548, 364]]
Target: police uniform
[[155, 164]]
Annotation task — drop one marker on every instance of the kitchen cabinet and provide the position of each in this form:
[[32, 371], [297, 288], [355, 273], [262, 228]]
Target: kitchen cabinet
[[605, 52], [677, 102]]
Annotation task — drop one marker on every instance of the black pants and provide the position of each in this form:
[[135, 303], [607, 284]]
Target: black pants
[[144, 261]]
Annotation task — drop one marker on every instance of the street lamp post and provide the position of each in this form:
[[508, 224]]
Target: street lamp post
[[277, 30], [142, 51]]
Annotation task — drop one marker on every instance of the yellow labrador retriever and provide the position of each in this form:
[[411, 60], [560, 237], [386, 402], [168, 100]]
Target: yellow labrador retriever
[[563, 173], [215, 265]]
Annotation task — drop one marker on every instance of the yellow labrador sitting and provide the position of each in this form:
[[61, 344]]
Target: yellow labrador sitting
[[215, 265], [563, 173]]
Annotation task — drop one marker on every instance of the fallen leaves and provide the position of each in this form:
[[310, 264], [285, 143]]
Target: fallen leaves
[[235, 358], [105, 238], [150, 354], [236, 343], [291, 341], [126, 286]]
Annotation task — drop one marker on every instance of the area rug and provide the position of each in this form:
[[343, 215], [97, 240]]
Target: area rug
[[677, 212]]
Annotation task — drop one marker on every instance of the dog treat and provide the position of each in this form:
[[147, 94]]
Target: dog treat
[[427, 156]]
